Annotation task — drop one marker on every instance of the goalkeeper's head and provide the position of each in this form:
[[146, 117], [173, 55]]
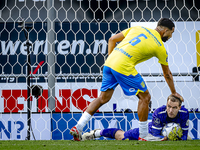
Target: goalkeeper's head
[[173, 106]]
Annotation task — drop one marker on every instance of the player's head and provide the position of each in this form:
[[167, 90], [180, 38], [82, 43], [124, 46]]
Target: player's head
[[166, 28], [173, 106]]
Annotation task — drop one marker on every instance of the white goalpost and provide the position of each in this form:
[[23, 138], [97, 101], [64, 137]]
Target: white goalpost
[[68, 47]]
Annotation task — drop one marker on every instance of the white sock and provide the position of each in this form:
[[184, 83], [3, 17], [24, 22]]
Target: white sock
[[83, 121], [143, 128], [97, 134]]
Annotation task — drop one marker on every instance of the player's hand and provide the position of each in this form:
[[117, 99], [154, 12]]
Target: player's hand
[[165, 138], [175, 134], [179, 96]]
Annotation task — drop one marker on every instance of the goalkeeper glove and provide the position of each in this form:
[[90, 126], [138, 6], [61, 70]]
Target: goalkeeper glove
[[175, 134]]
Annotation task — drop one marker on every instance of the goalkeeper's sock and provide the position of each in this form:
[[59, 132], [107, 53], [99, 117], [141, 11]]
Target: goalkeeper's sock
[[83, 121], [97, 133], [143, 129], [110, 133]]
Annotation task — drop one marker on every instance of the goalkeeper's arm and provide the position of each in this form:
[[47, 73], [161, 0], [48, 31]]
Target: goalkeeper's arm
[[185, 135], [156, 132]]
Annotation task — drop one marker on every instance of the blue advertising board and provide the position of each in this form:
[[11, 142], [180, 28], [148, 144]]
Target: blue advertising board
[[62, 123]]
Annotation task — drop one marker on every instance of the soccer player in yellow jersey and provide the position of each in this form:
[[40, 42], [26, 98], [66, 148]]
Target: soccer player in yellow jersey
[[137, 44]]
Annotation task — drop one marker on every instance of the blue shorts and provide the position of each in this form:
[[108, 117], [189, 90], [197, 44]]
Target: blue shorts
[[131, 85]]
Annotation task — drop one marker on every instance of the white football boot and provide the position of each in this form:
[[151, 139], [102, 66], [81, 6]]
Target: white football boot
[[89, 135]]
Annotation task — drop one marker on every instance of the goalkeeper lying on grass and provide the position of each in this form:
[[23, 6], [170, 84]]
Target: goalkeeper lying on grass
[[172, 112]]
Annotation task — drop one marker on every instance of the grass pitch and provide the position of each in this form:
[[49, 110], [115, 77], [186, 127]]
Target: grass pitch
[[99, 145]]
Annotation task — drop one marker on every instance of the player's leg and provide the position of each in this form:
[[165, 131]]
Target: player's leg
[[86, 116], [112, 133], [135, 85], [98, 102], [143, 109], [132, 134], [119, 135], [108, 85], [93, 107]]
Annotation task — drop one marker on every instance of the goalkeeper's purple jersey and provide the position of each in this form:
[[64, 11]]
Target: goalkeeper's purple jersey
[[160, 118]]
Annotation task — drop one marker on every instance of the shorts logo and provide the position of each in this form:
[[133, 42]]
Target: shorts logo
[[142, 84], [131, 90]]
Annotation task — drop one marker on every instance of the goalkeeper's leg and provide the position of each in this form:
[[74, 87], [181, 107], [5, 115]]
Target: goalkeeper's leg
[[109, 133]]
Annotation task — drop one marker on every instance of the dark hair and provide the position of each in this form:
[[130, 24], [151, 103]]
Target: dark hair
[[166, 23], [174, 99]]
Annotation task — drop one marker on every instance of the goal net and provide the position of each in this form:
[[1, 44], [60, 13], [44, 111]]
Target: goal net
[[51, 64]]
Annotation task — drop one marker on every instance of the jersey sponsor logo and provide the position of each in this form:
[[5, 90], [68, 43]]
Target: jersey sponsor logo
[[142, 84], [123, 52]]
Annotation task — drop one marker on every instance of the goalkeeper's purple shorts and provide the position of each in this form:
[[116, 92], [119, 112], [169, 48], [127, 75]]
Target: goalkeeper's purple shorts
[[132, 134], [131, 85]]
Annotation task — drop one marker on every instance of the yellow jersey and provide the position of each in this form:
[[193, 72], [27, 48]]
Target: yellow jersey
[[139, 44]]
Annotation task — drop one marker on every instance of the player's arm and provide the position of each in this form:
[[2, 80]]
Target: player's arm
[[185, 134], [113, 40], [169, 79], [155, 126], [156, 132], [185, 126]]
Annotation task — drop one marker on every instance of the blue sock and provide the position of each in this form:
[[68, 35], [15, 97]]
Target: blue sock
[[110, 132]]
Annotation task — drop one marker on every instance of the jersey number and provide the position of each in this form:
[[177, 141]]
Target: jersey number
[[137, 40]]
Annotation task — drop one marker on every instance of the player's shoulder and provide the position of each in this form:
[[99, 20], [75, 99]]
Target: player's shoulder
[[142, 28], [183, 110], [131, 30], [183, 114], [152, 32], [136, 29], [155, 36], [160, 110]]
